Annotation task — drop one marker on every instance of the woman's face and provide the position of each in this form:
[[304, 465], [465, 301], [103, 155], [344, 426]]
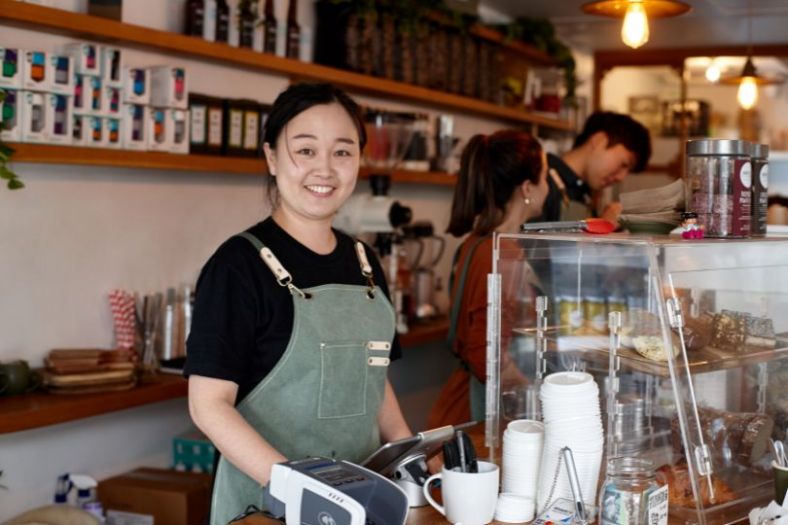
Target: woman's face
[[315, 162]]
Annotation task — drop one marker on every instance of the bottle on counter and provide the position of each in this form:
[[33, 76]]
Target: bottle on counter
[[269, 28], [222, 21], [293, 31], [195, 15], [246, 21]]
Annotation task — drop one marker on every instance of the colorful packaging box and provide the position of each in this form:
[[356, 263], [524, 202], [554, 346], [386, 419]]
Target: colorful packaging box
[[61, 74], [134, 127], [86, 56], [169, 87], [60, 111], [10, 115], [35, 71], [136, 85], [112, 66], [11, 59], [34, 117]]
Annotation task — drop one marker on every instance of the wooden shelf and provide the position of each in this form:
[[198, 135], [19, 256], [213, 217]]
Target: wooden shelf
[[95, 28], [429, 332], [116, 158], [40, 409], [29, 411]]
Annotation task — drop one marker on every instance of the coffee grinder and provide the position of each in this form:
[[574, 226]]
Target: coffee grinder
[[425, 250]]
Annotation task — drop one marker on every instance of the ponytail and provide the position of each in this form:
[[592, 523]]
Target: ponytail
[[491, 169]]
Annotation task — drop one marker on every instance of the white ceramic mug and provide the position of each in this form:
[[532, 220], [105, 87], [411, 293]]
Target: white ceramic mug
[[469, 497]]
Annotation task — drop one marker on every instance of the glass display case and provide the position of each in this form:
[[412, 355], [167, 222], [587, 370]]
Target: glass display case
[[687, 341]]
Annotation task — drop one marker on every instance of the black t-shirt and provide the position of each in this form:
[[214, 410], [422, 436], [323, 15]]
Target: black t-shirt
[[576, 190], [243, 318]]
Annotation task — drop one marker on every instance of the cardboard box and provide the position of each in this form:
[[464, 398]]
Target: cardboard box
[[136, 85], [112, 66], [61, 74], [11, 59], [34, 117], [92, 95], [11, 116], [193, 452], [172, 498], [134, 127], [89, 130], [112, 132], [35, 71], [179, 119], [86, 56], [159, 130], [59, 119], [169, 87], [111, 101]]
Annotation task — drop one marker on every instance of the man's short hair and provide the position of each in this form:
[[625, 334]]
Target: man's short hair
[[620, 129]]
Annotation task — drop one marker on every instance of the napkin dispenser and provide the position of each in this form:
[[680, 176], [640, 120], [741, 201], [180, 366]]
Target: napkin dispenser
[[321, 490]]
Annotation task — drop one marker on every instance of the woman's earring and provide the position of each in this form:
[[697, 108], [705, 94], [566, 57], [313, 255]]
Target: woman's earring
[[527, 201]]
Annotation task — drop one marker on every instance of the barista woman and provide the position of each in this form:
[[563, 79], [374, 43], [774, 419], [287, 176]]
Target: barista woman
[[502, 184], [293, 330]]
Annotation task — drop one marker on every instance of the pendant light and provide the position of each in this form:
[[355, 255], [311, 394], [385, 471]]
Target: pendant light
[[749, 79], [634, 30]]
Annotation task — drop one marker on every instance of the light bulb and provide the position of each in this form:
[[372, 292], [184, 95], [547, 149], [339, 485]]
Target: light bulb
[[634, 32], [713, 72], [748, 93]]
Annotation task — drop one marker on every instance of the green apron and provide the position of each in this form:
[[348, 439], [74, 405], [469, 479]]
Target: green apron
[[323, 396], [571, 210], [477, 390]]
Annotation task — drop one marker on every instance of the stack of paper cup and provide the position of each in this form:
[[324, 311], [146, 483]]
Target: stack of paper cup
[[522, 453], [570, 409], [513, 508]]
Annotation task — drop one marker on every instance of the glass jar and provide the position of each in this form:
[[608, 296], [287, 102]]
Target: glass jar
[[626, 496], [718, 183], [760, 188]]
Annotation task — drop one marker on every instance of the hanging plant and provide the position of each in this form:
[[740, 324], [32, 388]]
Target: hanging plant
[[11, 178], [540, 33]]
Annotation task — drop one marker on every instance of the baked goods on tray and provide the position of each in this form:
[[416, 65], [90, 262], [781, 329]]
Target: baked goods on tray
[[742, 332], [733, 437], [680, 489]]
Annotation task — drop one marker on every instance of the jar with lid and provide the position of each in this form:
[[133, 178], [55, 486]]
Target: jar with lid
[[760, 188], [631, 494], [719, 186]]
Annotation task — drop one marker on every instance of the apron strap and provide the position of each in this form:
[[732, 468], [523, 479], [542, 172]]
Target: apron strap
[[455, 307], [282, 276], [366, 268]]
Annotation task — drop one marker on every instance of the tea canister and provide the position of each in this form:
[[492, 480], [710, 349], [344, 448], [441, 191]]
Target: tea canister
[[760, 188], [719, 186]]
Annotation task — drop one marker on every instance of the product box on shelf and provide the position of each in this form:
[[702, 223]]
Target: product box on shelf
[[79, 94], [159, 130], [61, 74], [35, 71], [10, 115], [169, 87], [112, 66], [86, 57], [193, 452], [134, 127], [251, 123], [179, 121], [112, 135], [11, 67], [60, 109], [34, 116], [136, 85], [89, 131], [111, 99], [92, 96]]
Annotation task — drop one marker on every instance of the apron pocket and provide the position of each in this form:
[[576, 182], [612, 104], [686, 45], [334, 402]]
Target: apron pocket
[[343, 380]]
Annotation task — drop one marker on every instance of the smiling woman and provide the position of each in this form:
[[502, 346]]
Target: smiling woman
[[293, 330]]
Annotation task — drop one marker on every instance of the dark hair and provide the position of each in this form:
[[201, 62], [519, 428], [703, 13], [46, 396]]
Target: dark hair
[[298, 98], [491, 169], [620, 129]]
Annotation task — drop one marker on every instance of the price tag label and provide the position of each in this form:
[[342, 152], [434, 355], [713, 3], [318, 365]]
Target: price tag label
[[658, 506]]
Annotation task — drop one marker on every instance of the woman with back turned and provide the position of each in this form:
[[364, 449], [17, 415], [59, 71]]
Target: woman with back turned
[[502, 184]]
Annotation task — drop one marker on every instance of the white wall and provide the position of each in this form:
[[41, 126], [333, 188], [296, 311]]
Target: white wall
[[75, 232]]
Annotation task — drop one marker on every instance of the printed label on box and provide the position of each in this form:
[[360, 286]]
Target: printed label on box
[[60, 110], [197, 127], [34, 113], [10, 67], [35, 76], [235, 138], [251, 122], [215, 127], [61, 74]]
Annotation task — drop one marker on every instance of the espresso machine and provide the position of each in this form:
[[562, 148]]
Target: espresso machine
[[388, 137], [424, 250]]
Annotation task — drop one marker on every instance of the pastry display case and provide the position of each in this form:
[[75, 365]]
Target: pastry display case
[[687, 340]]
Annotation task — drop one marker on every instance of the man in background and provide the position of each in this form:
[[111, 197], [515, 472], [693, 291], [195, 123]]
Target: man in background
[[610, 147]]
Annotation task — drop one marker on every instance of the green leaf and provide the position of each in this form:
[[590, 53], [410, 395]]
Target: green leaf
[[6, 174], [6, 150], [15, 184]]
